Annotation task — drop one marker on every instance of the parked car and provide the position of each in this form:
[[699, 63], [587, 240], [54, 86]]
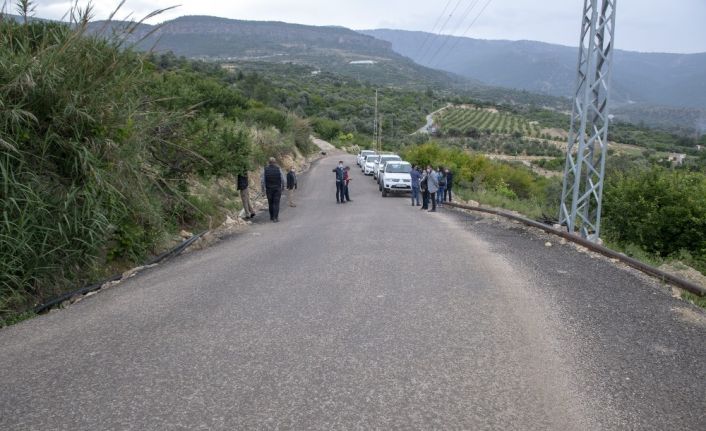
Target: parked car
[[369, 165], [361, 156], [380, 163], [396, 178], [369, 157]]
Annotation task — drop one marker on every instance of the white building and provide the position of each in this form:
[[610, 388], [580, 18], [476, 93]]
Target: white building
[[677, 158]]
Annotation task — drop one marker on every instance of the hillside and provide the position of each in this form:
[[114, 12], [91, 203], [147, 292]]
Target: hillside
[[333, 49], [651, 78]]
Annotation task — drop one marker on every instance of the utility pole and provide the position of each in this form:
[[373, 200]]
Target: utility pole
[[584, 173], [380, 134], [375, 121]]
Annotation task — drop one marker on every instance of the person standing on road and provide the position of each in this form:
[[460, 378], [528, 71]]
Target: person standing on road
[[272, 182], [416, 178], [424, 186], [291, 186], [449, 184], [441, 175], [432, 186], [245, 195], [346, 183], [339, 182]]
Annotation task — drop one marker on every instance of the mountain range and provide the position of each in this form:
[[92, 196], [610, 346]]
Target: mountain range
[[335, 49], [648, 87], [658, 79]]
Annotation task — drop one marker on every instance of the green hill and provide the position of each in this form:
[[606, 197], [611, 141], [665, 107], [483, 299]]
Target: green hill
[[333, 49]]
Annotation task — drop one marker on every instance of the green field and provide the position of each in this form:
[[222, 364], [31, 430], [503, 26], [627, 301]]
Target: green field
[[469, 121]]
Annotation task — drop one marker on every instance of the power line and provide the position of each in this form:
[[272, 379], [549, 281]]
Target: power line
[[430, 49], [459, 38], [433, 29], [446, 39], [425, 54]]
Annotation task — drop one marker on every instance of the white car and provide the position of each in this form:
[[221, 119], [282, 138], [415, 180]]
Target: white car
[[380, 163], [361, 156], [369, 165], [396, 178]]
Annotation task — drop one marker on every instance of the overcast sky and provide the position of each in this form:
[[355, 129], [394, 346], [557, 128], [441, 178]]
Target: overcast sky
[[643, 25]]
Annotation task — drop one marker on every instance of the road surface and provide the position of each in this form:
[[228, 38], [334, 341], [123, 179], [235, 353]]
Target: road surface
[[368, 315], [430, 120]]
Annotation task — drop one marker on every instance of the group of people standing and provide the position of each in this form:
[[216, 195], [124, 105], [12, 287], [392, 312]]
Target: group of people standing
[[343, 179], [272, 182], [433, 185]]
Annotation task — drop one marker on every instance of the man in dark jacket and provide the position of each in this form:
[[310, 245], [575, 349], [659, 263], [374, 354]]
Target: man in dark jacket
[[245, 195], [432, 186], [340, 186], [291, 186], [449, 184], [346, 183], [272, 182], [416, 178], [423, 185]]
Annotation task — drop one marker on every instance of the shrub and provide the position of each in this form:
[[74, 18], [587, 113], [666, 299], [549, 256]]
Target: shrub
[[270, 143], [72, 157], [301, 128], [661, 210], [266, 117], [326, 129]]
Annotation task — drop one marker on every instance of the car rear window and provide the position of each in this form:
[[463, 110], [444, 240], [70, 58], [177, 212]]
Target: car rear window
[[398, 168]]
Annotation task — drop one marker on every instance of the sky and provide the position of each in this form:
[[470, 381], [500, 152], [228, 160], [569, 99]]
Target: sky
[[642, 25]]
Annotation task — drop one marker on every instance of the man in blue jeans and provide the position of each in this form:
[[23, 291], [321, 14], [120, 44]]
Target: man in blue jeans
[[340, 186], [416, 178], [442, 185], [449, 184]]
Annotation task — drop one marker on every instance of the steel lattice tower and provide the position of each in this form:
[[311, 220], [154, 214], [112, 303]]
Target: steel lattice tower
[[588, 139]]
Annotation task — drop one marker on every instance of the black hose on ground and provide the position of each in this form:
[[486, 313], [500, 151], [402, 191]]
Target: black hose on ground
[[95, 286], [605, 251]]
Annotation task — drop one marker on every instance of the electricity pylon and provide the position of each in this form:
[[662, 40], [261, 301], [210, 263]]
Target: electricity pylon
[[584, 173]]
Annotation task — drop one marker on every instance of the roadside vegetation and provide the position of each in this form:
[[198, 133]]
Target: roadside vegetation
[[106, 154], [102, 162]]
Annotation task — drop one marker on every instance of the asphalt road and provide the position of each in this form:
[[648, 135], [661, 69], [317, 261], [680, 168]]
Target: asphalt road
[[368, 315]]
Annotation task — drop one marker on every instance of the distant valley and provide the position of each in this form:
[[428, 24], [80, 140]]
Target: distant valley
[[664, 90], [676, 80]]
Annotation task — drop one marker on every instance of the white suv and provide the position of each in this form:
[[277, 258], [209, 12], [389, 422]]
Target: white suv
[[396, 178], [380, 163], [361, 156]]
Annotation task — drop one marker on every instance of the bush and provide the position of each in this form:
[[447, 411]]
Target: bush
[[326, 129], [97, 157], [266, 117], [301, 128], [661, 210], [270, 143], [477, 170], [72, 156]]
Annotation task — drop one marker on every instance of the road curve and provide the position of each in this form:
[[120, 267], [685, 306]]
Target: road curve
[[368, 315]]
